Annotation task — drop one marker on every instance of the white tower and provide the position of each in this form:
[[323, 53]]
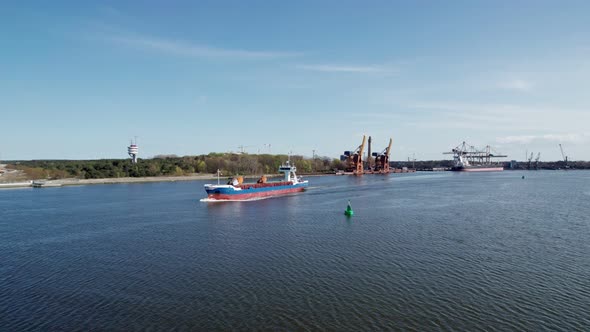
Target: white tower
[[133, 150]]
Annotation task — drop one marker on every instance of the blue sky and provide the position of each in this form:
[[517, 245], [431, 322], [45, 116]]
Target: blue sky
[[79, 79]]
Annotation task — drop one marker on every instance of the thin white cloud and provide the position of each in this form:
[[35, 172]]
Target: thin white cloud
[[522, 139], [184, 48], [574, 138], [518, 85], [331, 68], [501, 117], [524, 112], [469, 107]]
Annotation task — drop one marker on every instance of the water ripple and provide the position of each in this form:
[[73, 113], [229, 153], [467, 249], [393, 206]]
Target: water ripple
[[423, 252]]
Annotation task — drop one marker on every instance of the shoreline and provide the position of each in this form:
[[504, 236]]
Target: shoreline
[[82, 182]]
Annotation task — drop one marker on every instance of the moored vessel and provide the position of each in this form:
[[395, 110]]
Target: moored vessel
[[235, 190], [477, 168], [469, 159], [45, 184]]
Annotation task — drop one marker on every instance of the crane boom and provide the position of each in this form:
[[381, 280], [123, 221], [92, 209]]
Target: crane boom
[[358, 158], [389, 147], [562, 154], [362, 146]]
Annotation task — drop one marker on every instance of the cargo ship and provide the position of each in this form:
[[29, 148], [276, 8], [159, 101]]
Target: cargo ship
[[467, 158], [235, 190]]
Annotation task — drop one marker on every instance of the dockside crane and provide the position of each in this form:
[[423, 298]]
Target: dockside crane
[[529, 159], [242, 148], [413, 160], [465, 155], [369, 166], [382, 159], [354, 159], [537, 160], [563, 155]]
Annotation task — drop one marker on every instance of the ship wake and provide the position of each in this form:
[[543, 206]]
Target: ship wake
[[213, 200]]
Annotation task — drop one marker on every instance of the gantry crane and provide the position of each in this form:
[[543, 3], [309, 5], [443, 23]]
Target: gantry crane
[[563, 155], [537, 160], [242, 148], [354, 159], [467, 154], [529, 159], [382, 159]]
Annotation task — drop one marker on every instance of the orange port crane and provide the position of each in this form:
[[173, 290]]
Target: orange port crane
[[382, 159], [354, 159]]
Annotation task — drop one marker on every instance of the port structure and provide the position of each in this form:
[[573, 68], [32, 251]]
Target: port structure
[[368, 163], [530, 160], [530, 164], [382, 159], [133, 151], [564, 156], [354, 159], [242, 148], [468, 154], [375, 163]]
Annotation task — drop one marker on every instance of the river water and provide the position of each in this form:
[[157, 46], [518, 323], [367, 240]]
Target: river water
[[423, 252]]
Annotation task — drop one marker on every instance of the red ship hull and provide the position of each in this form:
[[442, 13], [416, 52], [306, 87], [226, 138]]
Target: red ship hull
[[478, 169], [248, 191]]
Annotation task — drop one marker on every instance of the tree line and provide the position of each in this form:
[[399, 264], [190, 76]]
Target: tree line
[[228, 163]]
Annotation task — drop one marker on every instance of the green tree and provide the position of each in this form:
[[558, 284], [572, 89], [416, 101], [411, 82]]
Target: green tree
[[201, 166]]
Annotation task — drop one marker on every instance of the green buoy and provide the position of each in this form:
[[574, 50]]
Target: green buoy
[[348, 210]]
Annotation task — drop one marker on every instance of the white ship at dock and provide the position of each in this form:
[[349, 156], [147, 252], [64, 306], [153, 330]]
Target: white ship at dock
[[467, 158]]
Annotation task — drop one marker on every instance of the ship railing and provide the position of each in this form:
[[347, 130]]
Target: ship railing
[[264, 185]]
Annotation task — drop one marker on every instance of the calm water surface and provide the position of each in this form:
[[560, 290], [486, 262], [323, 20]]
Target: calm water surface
[[424, 252]]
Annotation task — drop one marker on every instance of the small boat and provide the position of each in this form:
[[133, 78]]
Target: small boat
[[45, 184], [236, 190]]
